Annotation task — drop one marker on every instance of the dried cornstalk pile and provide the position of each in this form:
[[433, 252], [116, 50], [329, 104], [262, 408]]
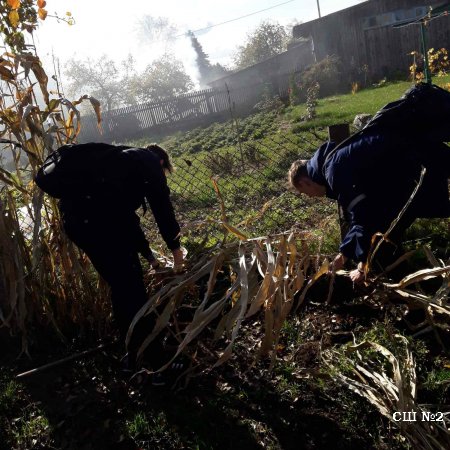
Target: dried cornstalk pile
[[267, 277], [388, 380], [435, 305], [389, 383], [413, 293]]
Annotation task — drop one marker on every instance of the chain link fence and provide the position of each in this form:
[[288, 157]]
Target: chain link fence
[[251, 177]]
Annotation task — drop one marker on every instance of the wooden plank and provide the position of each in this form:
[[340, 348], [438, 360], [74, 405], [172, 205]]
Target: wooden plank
[[338, 133]]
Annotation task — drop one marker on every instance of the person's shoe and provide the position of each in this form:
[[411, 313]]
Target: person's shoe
[[171, 375]]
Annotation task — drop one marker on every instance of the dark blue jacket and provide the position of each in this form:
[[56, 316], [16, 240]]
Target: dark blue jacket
[[115, 208], [373, 176], [148, 170]]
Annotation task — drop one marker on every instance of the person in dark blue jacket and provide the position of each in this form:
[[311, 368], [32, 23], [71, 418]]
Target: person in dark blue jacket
[[372, 177], [106, 227]]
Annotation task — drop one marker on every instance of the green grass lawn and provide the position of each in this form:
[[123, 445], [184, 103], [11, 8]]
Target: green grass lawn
[[343, 108], [330, 111]]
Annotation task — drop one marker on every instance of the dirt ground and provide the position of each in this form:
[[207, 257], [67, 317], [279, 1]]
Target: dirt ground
[[91, 404]]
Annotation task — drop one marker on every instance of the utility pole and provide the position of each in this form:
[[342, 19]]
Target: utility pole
[[318, 9]]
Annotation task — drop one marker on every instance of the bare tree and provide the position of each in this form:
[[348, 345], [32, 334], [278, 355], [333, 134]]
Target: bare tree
[[153, 29], [101, 78]]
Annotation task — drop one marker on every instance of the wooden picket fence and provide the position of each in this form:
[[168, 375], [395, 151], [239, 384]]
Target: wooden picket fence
[[178, 113]]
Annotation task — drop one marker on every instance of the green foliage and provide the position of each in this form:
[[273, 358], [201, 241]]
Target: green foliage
[[432, 232], [267, 40], [294, 91], [343, 108], [9, 391], [149, 430], [312, 95], [32, 429], [269, 101], [355, 412], [22, 424], [436, 380], [326, 72], [437, 377], [163, 78], [138, 425], [218, 135]]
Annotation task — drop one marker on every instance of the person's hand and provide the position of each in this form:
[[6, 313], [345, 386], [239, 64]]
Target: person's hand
[[338, 262], [357, 276], [178, 263]]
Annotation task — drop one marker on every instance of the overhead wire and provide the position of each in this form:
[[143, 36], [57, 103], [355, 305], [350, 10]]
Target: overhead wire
[[236, 18], [427, 19]]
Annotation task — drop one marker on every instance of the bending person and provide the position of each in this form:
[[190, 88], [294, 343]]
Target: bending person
[[105, 226], [372, 177]]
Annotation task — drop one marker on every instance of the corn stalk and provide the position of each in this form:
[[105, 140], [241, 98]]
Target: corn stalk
[[43, 278], [388, 381], [265, 278]]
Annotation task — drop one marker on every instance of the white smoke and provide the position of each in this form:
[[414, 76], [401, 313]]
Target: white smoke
[[159, 36], [186, 54]]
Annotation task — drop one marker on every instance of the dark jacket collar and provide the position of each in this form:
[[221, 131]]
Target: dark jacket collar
[[314, 166]]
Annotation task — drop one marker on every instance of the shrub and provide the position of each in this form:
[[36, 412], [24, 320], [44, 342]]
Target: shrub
[[269, 102], [438, 62], [220, 164], [327, 73]]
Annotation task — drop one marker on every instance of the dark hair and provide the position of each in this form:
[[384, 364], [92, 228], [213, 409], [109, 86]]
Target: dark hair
[[296, 172], [162, 155]]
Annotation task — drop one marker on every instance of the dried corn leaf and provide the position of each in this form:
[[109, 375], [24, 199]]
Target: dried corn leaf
[[389, 393], [420, 275], [41, 77]]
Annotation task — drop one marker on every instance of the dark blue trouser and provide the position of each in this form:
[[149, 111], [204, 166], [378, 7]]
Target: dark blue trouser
[[113, 256], [115, 261]]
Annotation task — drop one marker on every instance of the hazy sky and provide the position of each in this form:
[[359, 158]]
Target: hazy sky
[[111, 26]]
